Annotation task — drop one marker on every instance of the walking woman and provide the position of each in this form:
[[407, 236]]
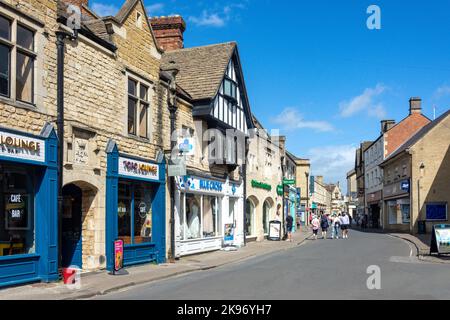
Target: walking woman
[[324, 224], [336, 225], [315, 226]]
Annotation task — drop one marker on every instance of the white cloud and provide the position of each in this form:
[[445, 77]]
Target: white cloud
[[442, 91], [364, 102], [209, 19], [291, 119], [332, 162], [104, 10], [154, 8]]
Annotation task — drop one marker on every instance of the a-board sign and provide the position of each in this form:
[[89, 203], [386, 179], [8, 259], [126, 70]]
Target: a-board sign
[[440, 239], [274, 231], [118, 255]]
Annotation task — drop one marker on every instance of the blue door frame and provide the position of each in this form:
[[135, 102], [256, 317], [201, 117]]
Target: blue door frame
[[43, 264], [137, 253]]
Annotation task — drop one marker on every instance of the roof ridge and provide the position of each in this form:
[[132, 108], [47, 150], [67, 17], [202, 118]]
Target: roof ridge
[[201, 47]]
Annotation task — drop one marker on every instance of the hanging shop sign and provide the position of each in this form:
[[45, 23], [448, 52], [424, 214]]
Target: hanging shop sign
[[138, 169], [440, 242], [280, 190], [22, 147], [289, 182], [261, 185], [177, 168], [187, 146]]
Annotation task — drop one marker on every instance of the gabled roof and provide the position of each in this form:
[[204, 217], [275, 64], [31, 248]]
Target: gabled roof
[[417, 137], [201, 69]]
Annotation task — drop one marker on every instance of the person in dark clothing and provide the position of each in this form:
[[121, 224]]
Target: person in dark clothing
[[324, 224], [289, 225]]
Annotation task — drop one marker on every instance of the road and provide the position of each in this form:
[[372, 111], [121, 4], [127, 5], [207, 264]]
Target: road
[[322, 269]]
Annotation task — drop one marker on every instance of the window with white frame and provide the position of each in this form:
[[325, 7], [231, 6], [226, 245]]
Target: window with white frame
[[17, 58], [138, 108]]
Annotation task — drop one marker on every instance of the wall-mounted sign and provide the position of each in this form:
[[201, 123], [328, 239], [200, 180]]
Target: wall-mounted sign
[[440, 242], [261, 185], [138, 169], [21, 147], [405, 185], [209, 185], [201, 185], [436, 211]]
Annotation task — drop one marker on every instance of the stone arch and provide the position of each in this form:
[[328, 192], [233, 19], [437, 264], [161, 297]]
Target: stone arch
[[252, 204], [268, 213], [93, 220]]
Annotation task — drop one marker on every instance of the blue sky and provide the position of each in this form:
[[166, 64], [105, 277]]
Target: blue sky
[[316, 72]]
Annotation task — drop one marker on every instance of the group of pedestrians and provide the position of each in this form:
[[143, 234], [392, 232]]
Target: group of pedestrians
[[339, 224]]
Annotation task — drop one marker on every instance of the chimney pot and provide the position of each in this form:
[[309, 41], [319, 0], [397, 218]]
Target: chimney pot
[[169, 32], [415, 105]]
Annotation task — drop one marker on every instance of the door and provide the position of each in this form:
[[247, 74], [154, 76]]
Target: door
[[72, 227]]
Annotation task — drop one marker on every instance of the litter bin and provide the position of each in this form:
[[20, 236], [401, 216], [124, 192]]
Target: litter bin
[[422, 227]]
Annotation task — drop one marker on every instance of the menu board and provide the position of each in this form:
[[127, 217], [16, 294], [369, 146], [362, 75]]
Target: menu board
[[16, 208], [440, 242]]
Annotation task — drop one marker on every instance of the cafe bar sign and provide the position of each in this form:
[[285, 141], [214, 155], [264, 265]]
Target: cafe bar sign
[[138, 169], [21, 147]]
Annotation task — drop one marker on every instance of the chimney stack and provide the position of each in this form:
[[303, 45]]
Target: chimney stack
[[387, 125], [82, 4], [319, 179], [169, 32], [415, 105]]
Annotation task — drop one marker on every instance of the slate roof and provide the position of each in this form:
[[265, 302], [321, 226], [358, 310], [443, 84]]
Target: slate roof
[[418, 136], [201, 69]]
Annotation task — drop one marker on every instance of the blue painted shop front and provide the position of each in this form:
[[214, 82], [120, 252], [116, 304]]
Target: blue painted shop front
[[135, 208], [28, 207]]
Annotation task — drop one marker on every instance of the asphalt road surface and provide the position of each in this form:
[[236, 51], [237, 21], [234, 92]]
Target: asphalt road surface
[[322, 269]]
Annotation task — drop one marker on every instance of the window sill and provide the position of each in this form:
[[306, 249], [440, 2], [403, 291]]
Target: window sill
[[140, 139], [18, 104]]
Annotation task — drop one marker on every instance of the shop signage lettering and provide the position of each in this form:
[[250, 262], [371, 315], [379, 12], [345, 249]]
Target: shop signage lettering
[[289, 182], [138, 169], [260, 185], [16, 210], [15, 146], [211, 185]]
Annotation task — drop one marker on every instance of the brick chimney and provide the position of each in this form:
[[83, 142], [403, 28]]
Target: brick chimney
[[169, 31], [415, 105], [387, 125]]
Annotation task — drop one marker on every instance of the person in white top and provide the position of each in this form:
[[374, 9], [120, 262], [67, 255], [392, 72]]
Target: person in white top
[[315, 223], [335, 226], [345, 225]]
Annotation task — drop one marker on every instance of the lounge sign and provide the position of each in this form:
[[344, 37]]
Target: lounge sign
[[21, 147], [138, 169]]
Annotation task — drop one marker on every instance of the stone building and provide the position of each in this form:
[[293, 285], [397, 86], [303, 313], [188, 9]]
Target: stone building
[[416, 179], [360, 178], [320, 196], [214, 123], [337, 204], [264, 175], [392, 136], [352, 193], [302, 177]]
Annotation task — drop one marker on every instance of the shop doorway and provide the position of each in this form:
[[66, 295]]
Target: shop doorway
[[375, 212], [72, 226]]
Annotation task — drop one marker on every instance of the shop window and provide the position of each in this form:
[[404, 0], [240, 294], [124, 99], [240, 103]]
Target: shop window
[[16, 211], [193, 217], [181, 217], [17, 53], [135, 213], [210, 217], [399, 212], [138, 108]]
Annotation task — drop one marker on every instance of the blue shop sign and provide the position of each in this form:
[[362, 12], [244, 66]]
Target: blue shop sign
[[405, 185], [211, 185]]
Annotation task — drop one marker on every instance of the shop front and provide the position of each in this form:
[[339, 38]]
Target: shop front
[[374, 205], [135, 208], [209, 215], [28, 207], [397, 202]]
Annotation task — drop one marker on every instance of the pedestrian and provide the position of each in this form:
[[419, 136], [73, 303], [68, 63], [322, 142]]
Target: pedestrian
[[345, 225], [335, 225], [315, 223], [324, 225], [289, 225]]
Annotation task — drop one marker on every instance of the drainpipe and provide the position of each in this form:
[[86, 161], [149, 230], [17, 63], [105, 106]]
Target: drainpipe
[[60, 37], [172, 105], [244, 175]]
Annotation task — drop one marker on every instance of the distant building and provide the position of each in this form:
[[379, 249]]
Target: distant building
[[352, 193]]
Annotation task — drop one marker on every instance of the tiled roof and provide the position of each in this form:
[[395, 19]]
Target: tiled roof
[[419, 135], [201, 69]]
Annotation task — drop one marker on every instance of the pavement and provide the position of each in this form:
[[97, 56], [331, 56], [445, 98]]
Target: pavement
[[367, 266], [101, 283], [421, 244]]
